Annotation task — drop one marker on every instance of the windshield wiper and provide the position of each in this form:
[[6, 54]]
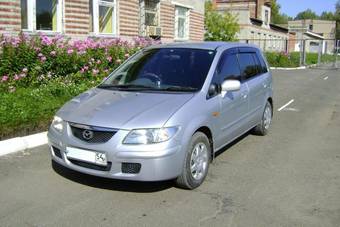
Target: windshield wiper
[[179, 88], [125, 87]]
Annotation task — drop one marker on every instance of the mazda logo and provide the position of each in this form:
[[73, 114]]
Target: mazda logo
[[87, 134]]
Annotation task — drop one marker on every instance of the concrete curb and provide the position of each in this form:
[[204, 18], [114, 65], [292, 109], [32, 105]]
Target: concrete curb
[[301, 67], [22, 143]]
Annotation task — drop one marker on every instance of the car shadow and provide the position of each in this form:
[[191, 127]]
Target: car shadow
[[111, 184], [236, 141]]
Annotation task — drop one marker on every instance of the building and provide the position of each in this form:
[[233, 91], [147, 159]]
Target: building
[[316, 30], [168, 20], [255, 27]]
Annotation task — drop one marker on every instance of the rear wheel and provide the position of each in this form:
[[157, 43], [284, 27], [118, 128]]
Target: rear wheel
[[196, 163], [263, 128]]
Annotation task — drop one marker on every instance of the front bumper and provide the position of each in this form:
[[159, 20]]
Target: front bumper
[[157, 162]]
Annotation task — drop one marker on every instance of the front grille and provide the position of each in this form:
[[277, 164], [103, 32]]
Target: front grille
[[91, 134], [131, 168], [56, 152], [91, 166]]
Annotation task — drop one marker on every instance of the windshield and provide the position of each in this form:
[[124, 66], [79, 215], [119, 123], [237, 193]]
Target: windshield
[[164, 69]]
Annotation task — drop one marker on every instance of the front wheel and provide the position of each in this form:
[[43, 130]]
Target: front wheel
[[196, 163], [263, 128]]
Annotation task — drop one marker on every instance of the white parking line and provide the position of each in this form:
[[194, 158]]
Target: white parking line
[[325, 78], [285, 105]]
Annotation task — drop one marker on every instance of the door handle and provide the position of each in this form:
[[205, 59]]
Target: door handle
[[244, 95], [264, 85]]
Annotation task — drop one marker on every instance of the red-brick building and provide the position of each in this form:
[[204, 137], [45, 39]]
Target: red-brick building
[[167, 20]]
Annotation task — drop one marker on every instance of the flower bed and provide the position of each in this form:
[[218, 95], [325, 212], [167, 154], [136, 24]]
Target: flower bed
[[38, 74]]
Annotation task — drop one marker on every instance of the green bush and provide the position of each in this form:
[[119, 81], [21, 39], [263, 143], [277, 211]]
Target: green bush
[[32, 61], [282, 59]]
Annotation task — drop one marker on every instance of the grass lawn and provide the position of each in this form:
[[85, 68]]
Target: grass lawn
[[30, 110]]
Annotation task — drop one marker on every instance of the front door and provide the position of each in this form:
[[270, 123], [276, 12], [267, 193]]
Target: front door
[[234, 104]]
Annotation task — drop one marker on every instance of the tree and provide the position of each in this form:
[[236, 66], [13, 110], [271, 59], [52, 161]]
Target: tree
[[337, 18], [327, 16], [276, 16], [219, 26], [307, 14]]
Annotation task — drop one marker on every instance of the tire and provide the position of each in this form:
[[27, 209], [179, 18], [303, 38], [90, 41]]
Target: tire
[[196, 163], [263, 128]]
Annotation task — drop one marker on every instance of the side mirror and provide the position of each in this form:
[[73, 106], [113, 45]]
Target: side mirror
[[213, 90], [230, 85]]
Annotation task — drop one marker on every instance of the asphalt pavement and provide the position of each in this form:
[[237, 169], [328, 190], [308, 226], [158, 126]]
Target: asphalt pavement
[[291, 177]]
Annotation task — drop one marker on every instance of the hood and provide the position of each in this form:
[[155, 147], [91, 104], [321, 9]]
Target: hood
[[121, 109]]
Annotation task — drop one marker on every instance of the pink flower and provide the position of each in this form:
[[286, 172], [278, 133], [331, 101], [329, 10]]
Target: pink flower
[[95, 71], [118, 61], [109, 58], [25, 70], [86, 68], [70, 51], [127, 55], [53, 53], [22, 75], [106, 70], [4, 78], [45, 40], [98, 62], [16, 77], [40, 55], [42, 59]]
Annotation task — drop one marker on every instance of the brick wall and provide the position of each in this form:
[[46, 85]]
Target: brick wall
[[10, 16], [128, 17], [77, 17], [167, 20], [196, 28]]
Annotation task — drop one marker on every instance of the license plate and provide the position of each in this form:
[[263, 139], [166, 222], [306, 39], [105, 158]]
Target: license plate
[[97, 158]]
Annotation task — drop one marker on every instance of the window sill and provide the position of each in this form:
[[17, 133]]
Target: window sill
[[181, 39], [102, 35], [35, 32]]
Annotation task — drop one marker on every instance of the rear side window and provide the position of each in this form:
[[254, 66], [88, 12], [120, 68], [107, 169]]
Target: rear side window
[[248, 65], [263, 64], [229, 68]]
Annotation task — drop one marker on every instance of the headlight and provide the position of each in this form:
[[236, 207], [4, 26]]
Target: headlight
[[149, 136], [57, 124]]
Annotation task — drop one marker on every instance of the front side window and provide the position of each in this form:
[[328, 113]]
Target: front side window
[[228, 69], [247, 65], [182, 23], [165, 69], [103, 16], [41, 15]]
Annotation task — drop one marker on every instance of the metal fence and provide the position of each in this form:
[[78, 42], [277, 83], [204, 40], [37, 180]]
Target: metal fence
[[317, 52]]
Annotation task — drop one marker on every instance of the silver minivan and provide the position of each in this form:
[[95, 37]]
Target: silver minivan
[[164, 113]]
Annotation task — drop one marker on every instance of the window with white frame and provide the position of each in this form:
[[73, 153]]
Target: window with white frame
[[104, 16], [151, 12], [41, 15], [149, 16], [181, 23]]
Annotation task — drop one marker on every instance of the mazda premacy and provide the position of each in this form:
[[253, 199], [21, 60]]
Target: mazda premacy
[[164, 113]]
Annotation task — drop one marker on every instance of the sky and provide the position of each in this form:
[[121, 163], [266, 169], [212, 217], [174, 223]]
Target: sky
[[293, 7]]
